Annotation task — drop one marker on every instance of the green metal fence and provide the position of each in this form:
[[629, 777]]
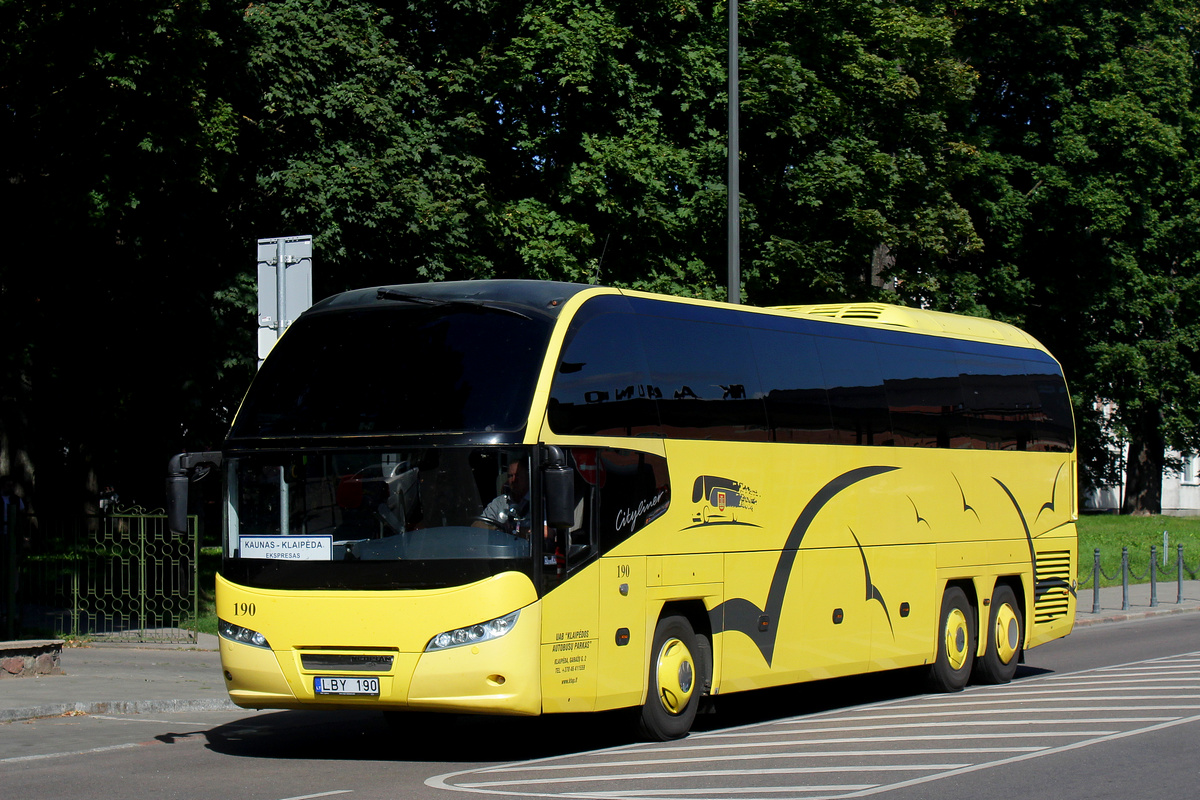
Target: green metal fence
[[118, 577]]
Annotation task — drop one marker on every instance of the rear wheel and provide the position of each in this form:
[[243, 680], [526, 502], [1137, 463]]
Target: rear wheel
[[956, 643], [674, 692], [1005, 636]]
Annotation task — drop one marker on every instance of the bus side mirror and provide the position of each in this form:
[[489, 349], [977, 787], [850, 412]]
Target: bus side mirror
[[177, 496], [558, 485], [182, 470]]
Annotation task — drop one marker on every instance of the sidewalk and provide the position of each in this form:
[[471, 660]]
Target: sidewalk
[[1139, 602], [122, 679], [148, 679]]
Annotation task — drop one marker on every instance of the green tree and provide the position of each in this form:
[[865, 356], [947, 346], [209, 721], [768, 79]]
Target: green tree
[[585, 140], [849, 157], [1086, 196], [356, 139], [479, 139], [121, 185], [1032, 161]]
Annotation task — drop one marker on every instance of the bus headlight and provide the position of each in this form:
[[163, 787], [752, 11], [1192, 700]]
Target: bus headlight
[[473, 634], [236, 633]]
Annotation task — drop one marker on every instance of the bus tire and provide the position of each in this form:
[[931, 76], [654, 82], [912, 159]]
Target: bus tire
[[955, 643], [674, 688], [1005, 635]]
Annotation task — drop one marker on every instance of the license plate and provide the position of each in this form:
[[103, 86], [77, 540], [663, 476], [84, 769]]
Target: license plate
[[361, 687]]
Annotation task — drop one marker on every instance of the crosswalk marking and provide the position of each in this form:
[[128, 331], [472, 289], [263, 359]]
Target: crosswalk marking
[[711, 773], [893, 744]]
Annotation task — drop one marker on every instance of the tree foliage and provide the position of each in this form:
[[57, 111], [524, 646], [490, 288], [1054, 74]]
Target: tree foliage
[[848, 155], [1028, 160], [122, 183], [586, 140], [1088, 120]]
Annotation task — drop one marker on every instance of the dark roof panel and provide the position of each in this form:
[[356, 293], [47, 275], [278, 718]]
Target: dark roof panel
[[531, 297]]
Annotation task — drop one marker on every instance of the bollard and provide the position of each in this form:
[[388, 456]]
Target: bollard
[[1179, 573], [1125, 578], [1096, 581], [1166, 544], [1153, 577]]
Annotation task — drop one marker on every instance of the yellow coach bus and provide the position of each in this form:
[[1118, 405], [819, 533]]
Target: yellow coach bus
[[520, 497]]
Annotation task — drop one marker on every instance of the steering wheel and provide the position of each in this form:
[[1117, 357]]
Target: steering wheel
[[502, 520]]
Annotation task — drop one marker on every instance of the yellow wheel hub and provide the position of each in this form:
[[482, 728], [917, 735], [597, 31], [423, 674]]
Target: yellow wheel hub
[[956, 639], [1007, 633], [676, 673]]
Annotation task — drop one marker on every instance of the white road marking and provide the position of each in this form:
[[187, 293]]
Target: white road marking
[[139, 719], [1035, 715], [630, 794], [934, 751], [743, 733], [712, 773], [1112, 687], [990, 723], [1190, 676], [1048, 752], [105, 749]]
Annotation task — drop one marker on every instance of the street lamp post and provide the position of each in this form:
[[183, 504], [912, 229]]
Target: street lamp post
[[734, 226]]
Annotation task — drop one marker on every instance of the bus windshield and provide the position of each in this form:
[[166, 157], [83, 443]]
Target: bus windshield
[[419, 518], [401, 368]]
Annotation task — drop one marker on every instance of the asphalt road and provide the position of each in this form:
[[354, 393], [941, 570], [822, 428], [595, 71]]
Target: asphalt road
[[1112, 711]]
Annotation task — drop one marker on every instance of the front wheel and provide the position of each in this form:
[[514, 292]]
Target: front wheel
[[956, 643], [673, 694], [1005, 636]]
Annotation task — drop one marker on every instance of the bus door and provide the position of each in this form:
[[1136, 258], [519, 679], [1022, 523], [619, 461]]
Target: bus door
[[633, 490], [570, 607], [596, 626]]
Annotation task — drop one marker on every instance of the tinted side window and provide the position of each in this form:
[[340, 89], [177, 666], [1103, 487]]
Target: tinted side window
[[1000, 401], [924, 396], [1053, 425], [707, 376], [634, 490], [601, 386], [857, 401], [793, 387]]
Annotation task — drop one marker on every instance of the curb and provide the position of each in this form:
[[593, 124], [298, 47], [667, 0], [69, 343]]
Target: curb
[[115, 707], [1124, 616], [186, 647]]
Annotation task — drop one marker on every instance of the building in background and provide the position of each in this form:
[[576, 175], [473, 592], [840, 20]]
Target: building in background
[[1180, 487]]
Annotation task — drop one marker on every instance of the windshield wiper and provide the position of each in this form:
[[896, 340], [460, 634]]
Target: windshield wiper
[[385, 293], [392, 294]]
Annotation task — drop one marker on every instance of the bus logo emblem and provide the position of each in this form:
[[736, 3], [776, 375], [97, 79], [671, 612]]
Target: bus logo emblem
[[722, 501]]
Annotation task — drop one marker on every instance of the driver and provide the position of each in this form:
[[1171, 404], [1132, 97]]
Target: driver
[[511, 506]]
